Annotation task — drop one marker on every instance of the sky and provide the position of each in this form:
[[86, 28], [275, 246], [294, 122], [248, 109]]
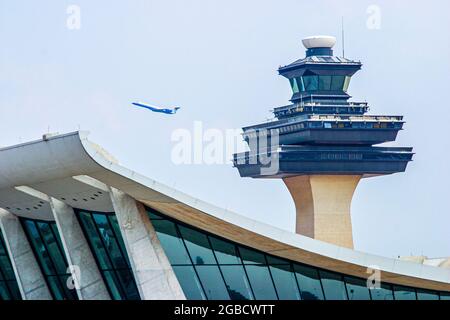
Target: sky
[[218, 60]]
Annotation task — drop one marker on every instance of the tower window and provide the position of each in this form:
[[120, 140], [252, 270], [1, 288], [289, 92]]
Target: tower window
[[311, 83], [319, 83], [346, 83], [294, 85], [324, 83], [337, 83]]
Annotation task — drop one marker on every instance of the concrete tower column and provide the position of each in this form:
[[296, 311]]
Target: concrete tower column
[[78, 253], [322, 205], [152, 271], [31, 282]]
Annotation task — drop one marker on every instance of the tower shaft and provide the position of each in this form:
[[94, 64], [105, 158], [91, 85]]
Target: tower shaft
[[322, 204]]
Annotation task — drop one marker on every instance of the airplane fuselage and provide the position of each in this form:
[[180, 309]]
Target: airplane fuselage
[[156, 109]]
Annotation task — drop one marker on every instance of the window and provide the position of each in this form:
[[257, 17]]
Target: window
[[236, 282], [284, 279], [346, 83], [260, 280], [171, 242], [294, 85], [308, 282], [404, 293], [427, 295], [311, 83], [324, 83], [104, 237], [333, 286], [189, 282], [44, 239], [209, 267], [8, 284], [250, 256], [337, 83], [384, 292], [198, 246], [213, 283], [445, 295], [321, 83], [226, 253], [356, 289], [300, 84]]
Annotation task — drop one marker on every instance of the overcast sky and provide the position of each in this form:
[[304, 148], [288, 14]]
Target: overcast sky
[[219, 60]]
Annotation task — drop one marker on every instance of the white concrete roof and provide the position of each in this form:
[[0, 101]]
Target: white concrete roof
[[72, 169]]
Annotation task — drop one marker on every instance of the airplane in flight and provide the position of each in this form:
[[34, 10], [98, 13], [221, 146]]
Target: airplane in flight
[[155, 108]]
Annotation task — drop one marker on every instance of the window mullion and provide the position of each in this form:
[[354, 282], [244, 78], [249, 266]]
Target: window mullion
[[190, 258], [246, 274], [217, 261], [5, 280], [56, 274], [117, 241], [107, 254], [271, 277]]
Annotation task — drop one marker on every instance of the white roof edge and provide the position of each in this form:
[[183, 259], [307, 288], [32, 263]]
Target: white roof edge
[[367, 260], [81, 134], [70, 148]]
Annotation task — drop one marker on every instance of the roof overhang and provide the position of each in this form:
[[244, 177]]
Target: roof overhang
[[70, 167]]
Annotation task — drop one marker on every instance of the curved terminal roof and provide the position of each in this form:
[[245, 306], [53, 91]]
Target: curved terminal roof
[[72, 169]]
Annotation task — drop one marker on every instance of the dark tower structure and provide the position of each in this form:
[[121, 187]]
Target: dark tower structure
[[322, 144]]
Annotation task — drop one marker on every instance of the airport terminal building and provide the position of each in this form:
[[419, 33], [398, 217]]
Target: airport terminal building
[[76, 225]]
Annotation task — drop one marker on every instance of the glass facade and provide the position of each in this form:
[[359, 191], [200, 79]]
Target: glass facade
[[47, 247], [209, 267], [333, 285], [104, 237], [8, 284], [320, 83]]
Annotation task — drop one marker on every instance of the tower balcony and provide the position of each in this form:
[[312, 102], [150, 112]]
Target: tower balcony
[[287, 161], [327, 130], [331, 107]]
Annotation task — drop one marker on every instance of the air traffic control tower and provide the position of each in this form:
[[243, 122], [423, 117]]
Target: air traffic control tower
[[323, 143]]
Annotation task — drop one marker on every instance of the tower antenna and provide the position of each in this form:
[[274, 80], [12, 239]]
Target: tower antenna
[[343, 38]]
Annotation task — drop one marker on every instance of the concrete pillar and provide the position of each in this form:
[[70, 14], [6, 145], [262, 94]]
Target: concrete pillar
[[152, 271], [31, 281], [78, 253], [322, 205]]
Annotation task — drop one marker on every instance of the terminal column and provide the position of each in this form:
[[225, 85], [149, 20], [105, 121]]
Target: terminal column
[[78, 254], [152, 271]]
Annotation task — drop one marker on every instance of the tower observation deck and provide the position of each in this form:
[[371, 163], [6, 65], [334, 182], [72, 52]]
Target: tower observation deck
[[322, 144]]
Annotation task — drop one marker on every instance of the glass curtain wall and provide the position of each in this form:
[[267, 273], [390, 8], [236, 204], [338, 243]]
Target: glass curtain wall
[[47, 247], [104, 237], [9, 289], [209, 267]]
